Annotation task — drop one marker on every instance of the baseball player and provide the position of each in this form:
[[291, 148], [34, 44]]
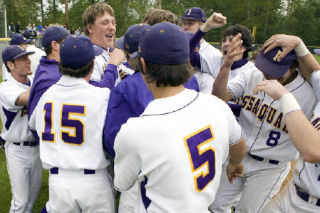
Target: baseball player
[[129, 99], [69, 120], [191, 21], [48, 73], [100, 26], [302, 194], [15, 40], [270, 149], [205, 80], [22, 152], [176, 148]]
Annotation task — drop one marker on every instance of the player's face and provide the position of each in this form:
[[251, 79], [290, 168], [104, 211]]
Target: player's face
[[226, 44], [102, 32], [190, 25], [22, 66]]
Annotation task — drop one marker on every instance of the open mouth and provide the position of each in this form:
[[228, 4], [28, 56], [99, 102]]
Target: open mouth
[[110, 36]]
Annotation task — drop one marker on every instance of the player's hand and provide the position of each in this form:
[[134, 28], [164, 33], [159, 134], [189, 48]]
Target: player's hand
[[286, 42], [234, 171], [117, 57], [216, 20], [235, 50], [272, 87]]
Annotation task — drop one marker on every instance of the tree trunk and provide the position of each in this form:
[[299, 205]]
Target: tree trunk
[[54, 11], [158, 4], [41, 2], [67, 13]]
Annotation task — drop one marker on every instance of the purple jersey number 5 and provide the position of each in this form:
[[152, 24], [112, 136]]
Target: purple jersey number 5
[[77, 138], [201, 157]]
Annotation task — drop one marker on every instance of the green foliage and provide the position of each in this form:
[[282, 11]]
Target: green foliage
[[299, 17]]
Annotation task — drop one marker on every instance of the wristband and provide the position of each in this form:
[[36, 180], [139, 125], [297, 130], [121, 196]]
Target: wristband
[[301, 49], [288, 103]]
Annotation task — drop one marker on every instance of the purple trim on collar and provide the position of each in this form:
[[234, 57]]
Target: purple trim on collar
[[28, 83], [126, 64], [176, 109], [239, 63]]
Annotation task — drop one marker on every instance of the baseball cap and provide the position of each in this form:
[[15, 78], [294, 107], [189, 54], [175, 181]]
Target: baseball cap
[[269, 65], [195, 13], [165, 43], [130, 40], [317, 51], [77, 51], [17, 40], [13, 52], [54, 33]]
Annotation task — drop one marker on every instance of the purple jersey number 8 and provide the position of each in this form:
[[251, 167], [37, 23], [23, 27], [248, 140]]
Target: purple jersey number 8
[[199, 158], [74, 124]]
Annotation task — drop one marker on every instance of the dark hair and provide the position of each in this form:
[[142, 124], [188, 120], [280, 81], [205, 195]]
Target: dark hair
[[135, 63], [77, 73], [159, 15], [48, 49], [245, 36], [168, 75]]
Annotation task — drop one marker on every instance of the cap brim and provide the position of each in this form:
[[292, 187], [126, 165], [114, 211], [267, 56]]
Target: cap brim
[[269, 68], [317, 51], [120, 43], [134, 55], [97, 50], [23, 54]]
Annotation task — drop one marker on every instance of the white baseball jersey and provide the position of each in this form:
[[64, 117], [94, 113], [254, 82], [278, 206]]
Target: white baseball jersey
[[69, 120], [307, 175], [210, 58], [263, 123], [205, 82], [5, 73], [100, 64], [14, 118], [35, 58], [176, 149]]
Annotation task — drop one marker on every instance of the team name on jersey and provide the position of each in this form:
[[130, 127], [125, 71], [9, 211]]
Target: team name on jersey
[[316, 123], [263, 111]]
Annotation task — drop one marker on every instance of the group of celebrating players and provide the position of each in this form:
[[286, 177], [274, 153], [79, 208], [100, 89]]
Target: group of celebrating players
[[162, 117]]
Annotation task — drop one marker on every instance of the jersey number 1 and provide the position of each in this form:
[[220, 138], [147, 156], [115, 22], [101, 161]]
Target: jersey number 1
[[77, 138], [200, 157]]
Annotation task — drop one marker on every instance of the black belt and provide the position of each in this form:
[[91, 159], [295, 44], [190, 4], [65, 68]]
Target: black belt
[[304, 195], [55, 171], [26, 143], [258, 158]]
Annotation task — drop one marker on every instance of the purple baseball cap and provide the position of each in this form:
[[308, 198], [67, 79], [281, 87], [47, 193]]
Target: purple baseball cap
[[77, 51], [54, 33], [18, 39], [165, 43], [13, 52], [269, 65], [195, 13], [130, 40]]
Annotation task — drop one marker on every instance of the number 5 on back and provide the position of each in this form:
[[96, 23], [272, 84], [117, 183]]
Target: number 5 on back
[[201, 157]]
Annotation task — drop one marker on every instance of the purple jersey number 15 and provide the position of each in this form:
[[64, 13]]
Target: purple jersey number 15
[[76, 125], [201, 157]]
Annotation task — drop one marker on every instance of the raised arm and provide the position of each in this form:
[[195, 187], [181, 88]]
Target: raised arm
[[303, 135], [307, 63], [219, 88]]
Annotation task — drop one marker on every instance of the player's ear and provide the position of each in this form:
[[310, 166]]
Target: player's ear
[[10, 65], [89, 28], [143, 65]]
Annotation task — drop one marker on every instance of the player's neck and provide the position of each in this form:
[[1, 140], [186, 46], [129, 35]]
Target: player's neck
[[164, 92], [54, 55], [20, 78]]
